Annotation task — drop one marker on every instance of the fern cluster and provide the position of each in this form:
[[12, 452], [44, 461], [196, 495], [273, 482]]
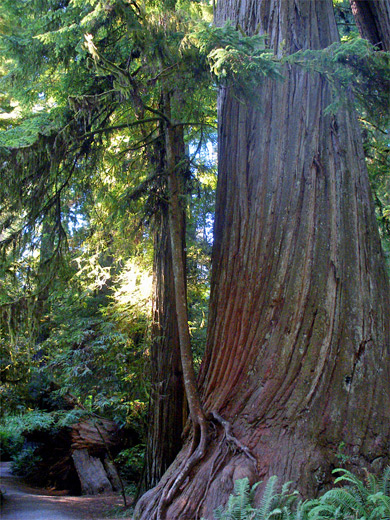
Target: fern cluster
[[355, 500], [273, 504]]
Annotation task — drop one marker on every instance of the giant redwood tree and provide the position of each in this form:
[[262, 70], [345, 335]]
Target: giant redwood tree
[[297, 361]]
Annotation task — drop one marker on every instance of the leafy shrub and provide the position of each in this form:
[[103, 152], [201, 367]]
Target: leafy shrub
[[13, 428], [25, 462], [130, 461], [11, 439], [9, 444], [37, 420]]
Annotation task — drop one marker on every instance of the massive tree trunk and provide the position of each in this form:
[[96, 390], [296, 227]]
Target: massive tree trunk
[[167, 401], [373, 21], [298, 352]]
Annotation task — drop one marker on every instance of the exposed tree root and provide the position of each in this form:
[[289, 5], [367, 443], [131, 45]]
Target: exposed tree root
[[215, 467], [198, 418], [231, 439], [196, 453]]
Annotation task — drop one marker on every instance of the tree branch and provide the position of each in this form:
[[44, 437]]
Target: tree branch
[[119, 127]]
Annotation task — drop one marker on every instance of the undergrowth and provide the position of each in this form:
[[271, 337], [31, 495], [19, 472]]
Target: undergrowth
[[12, 428], [350, 499]]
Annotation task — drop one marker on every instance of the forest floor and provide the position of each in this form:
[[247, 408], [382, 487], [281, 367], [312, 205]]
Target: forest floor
[[22, 502]]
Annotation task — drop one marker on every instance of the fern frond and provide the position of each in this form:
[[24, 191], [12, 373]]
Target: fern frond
[[347, 499], [349, 477], [327, 511], [360, 491], [242, 492], [218, 513], [372, 484], [239, 505], [285, 487], [356, 501], [382, 503], [276, 513], [384, 482], [302, 509], [268, 497]]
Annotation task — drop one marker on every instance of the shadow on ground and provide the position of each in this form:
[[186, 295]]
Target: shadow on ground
[[22, 502]]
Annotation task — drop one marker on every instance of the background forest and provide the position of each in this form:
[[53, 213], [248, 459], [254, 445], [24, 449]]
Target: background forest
[[88, 90]]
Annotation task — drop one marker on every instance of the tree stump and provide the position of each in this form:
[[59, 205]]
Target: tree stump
[[91, 440], [91, 472]]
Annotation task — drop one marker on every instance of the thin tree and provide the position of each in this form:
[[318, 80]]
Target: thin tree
[[167, 410]]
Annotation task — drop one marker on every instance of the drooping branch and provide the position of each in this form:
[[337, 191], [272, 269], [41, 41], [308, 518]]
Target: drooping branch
[[121, 126]]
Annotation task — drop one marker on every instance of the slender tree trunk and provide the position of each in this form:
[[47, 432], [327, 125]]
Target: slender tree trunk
[[167, 402], [167, 409], [297, 361], [373, 21], [175, 169], [175, 210], [198, 421]]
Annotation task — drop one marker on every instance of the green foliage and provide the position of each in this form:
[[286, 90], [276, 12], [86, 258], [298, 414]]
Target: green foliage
[[237, 59], [27, 132], [239, 505], [13, 428], [199, 245], [355, 500], [25, 462], [70, 417], [11, 440], [376, 147], [351, 66], [273, 505], [95, 350], [36, 420], [341, 456], [79, 188], [131, 461], [369, 500]]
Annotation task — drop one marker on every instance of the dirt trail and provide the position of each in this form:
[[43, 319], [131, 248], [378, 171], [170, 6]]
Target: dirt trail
[[26, 503]]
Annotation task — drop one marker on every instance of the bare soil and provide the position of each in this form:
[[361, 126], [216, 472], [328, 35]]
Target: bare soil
[[23, 502]]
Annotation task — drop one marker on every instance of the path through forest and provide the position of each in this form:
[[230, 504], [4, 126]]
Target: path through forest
[[26, 503]]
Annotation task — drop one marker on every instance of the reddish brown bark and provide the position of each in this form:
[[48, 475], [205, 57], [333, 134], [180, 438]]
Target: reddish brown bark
[[167, 410], [373, 21], [298, 351], [198, 421], [179, 276], [167, 403]]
